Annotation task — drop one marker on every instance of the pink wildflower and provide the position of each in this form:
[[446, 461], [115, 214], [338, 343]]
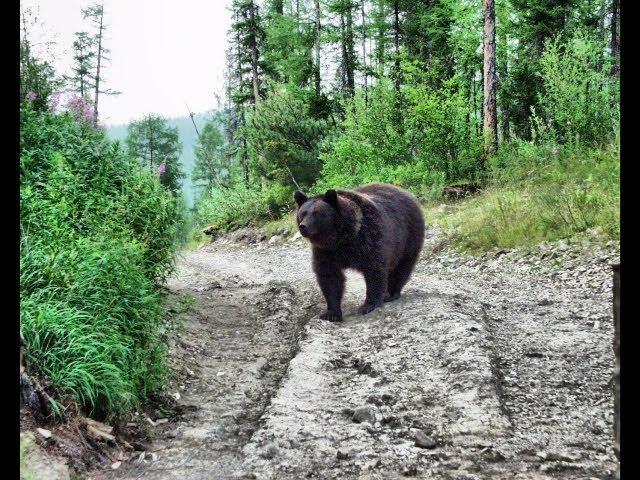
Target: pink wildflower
[[81, 108], [162, 168], [31, 96], [54, 99]]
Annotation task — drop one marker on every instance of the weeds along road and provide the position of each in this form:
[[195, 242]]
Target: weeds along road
[[496, 367]]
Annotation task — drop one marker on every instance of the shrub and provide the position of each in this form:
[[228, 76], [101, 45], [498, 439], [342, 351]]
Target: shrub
[[97, 235], [432, 145], [580, 102], [228, 209]]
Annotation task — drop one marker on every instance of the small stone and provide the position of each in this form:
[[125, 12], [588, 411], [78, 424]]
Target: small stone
[[402, 450], [116, 465], [342, 454], [424, 441], [274, 239], [364, 414], [270, 451], [44, 432]]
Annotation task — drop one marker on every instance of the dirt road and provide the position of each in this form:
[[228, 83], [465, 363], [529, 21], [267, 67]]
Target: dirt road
[[487, 368]]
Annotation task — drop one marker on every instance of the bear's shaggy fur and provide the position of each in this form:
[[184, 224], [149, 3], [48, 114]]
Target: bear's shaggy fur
[[376, 229]]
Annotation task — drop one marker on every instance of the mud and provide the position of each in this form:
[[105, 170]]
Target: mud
[[496, 367]]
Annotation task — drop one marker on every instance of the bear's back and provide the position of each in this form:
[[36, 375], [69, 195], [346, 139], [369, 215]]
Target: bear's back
[[396, 202]]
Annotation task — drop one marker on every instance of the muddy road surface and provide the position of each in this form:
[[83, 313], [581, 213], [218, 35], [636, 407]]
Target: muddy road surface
[[496, 367]]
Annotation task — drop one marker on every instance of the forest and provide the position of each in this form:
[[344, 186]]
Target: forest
[[517, 99]]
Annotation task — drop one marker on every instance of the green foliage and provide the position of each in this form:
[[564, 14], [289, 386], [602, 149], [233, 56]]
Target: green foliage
[[435, 146], [210, 163], [580, 102], [97, 234], [156, 146], [228, 209], [82, 80], [36, 77], [400, 100], [287, 49], [284, 140]]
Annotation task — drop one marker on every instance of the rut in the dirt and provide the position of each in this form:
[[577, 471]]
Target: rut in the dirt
[[235, 349], [484, 369]]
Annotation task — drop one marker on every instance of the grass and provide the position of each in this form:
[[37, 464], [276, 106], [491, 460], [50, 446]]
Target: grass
[[26, 470], [283, 226], [536, 195]]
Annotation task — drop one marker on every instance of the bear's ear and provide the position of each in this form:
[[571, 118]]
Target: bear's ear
[[331, 197], [300, 197]]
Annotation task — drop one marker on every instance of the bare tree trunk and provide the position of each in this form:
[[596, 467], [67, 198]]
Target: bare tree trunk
[[97, 87], [396, 40], [489, 102], [615, 7], [254, 56], [380, 38], [346, 36], [364, 54], [317, 47], [351, 52]]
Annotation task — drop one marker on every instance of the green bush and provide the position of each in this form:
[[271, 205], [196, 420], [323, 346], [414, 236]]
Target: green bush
[[97, 235], [227, 209], [580, 103], [431, 145], [284, 139]]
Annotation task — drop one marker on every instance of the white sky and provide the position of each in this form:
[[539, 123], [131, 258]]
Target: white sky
[[163, 52]]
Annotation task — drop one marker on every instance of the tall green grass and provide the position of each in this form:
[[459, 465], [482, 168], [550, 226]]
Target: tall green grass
[[541, 192], [97, 236]]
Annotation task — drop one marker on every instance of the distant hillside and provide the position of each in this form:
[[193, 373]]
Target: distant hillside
[[188, 138]]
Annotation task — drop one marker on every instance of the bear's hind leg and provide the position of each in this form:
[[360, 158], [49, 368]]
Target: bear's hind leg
[[399, 277]]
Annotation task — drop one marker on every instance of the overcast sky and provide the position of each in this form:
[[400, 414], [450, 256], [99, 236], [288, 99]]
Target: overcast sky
[[163, 52]]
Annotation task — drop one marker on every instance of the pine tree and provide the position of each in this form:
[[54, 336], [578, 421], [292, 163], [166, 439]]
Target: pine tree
[[82, 81], [151, 142], [209, 152]]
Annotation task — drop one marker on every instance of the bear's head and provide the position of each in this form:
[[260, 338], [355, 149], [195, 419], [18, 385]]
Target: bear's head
[[318, 217], [328, 220]]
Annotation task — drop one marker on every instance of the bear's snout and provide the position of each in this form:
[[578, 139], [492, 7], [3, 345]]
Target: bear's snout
[[303, 229]]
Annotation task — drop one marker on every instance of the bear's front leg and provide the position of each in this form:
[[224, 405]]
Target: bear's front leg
[[331, 281], [376, 280]]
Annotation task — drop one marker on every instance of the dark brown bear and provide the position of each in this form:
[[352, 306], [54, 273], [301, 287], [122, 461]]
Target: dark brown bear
[[377, 230]]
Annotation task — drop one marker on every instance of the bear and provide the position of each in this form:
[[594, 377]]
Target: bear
[[377, 229]]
